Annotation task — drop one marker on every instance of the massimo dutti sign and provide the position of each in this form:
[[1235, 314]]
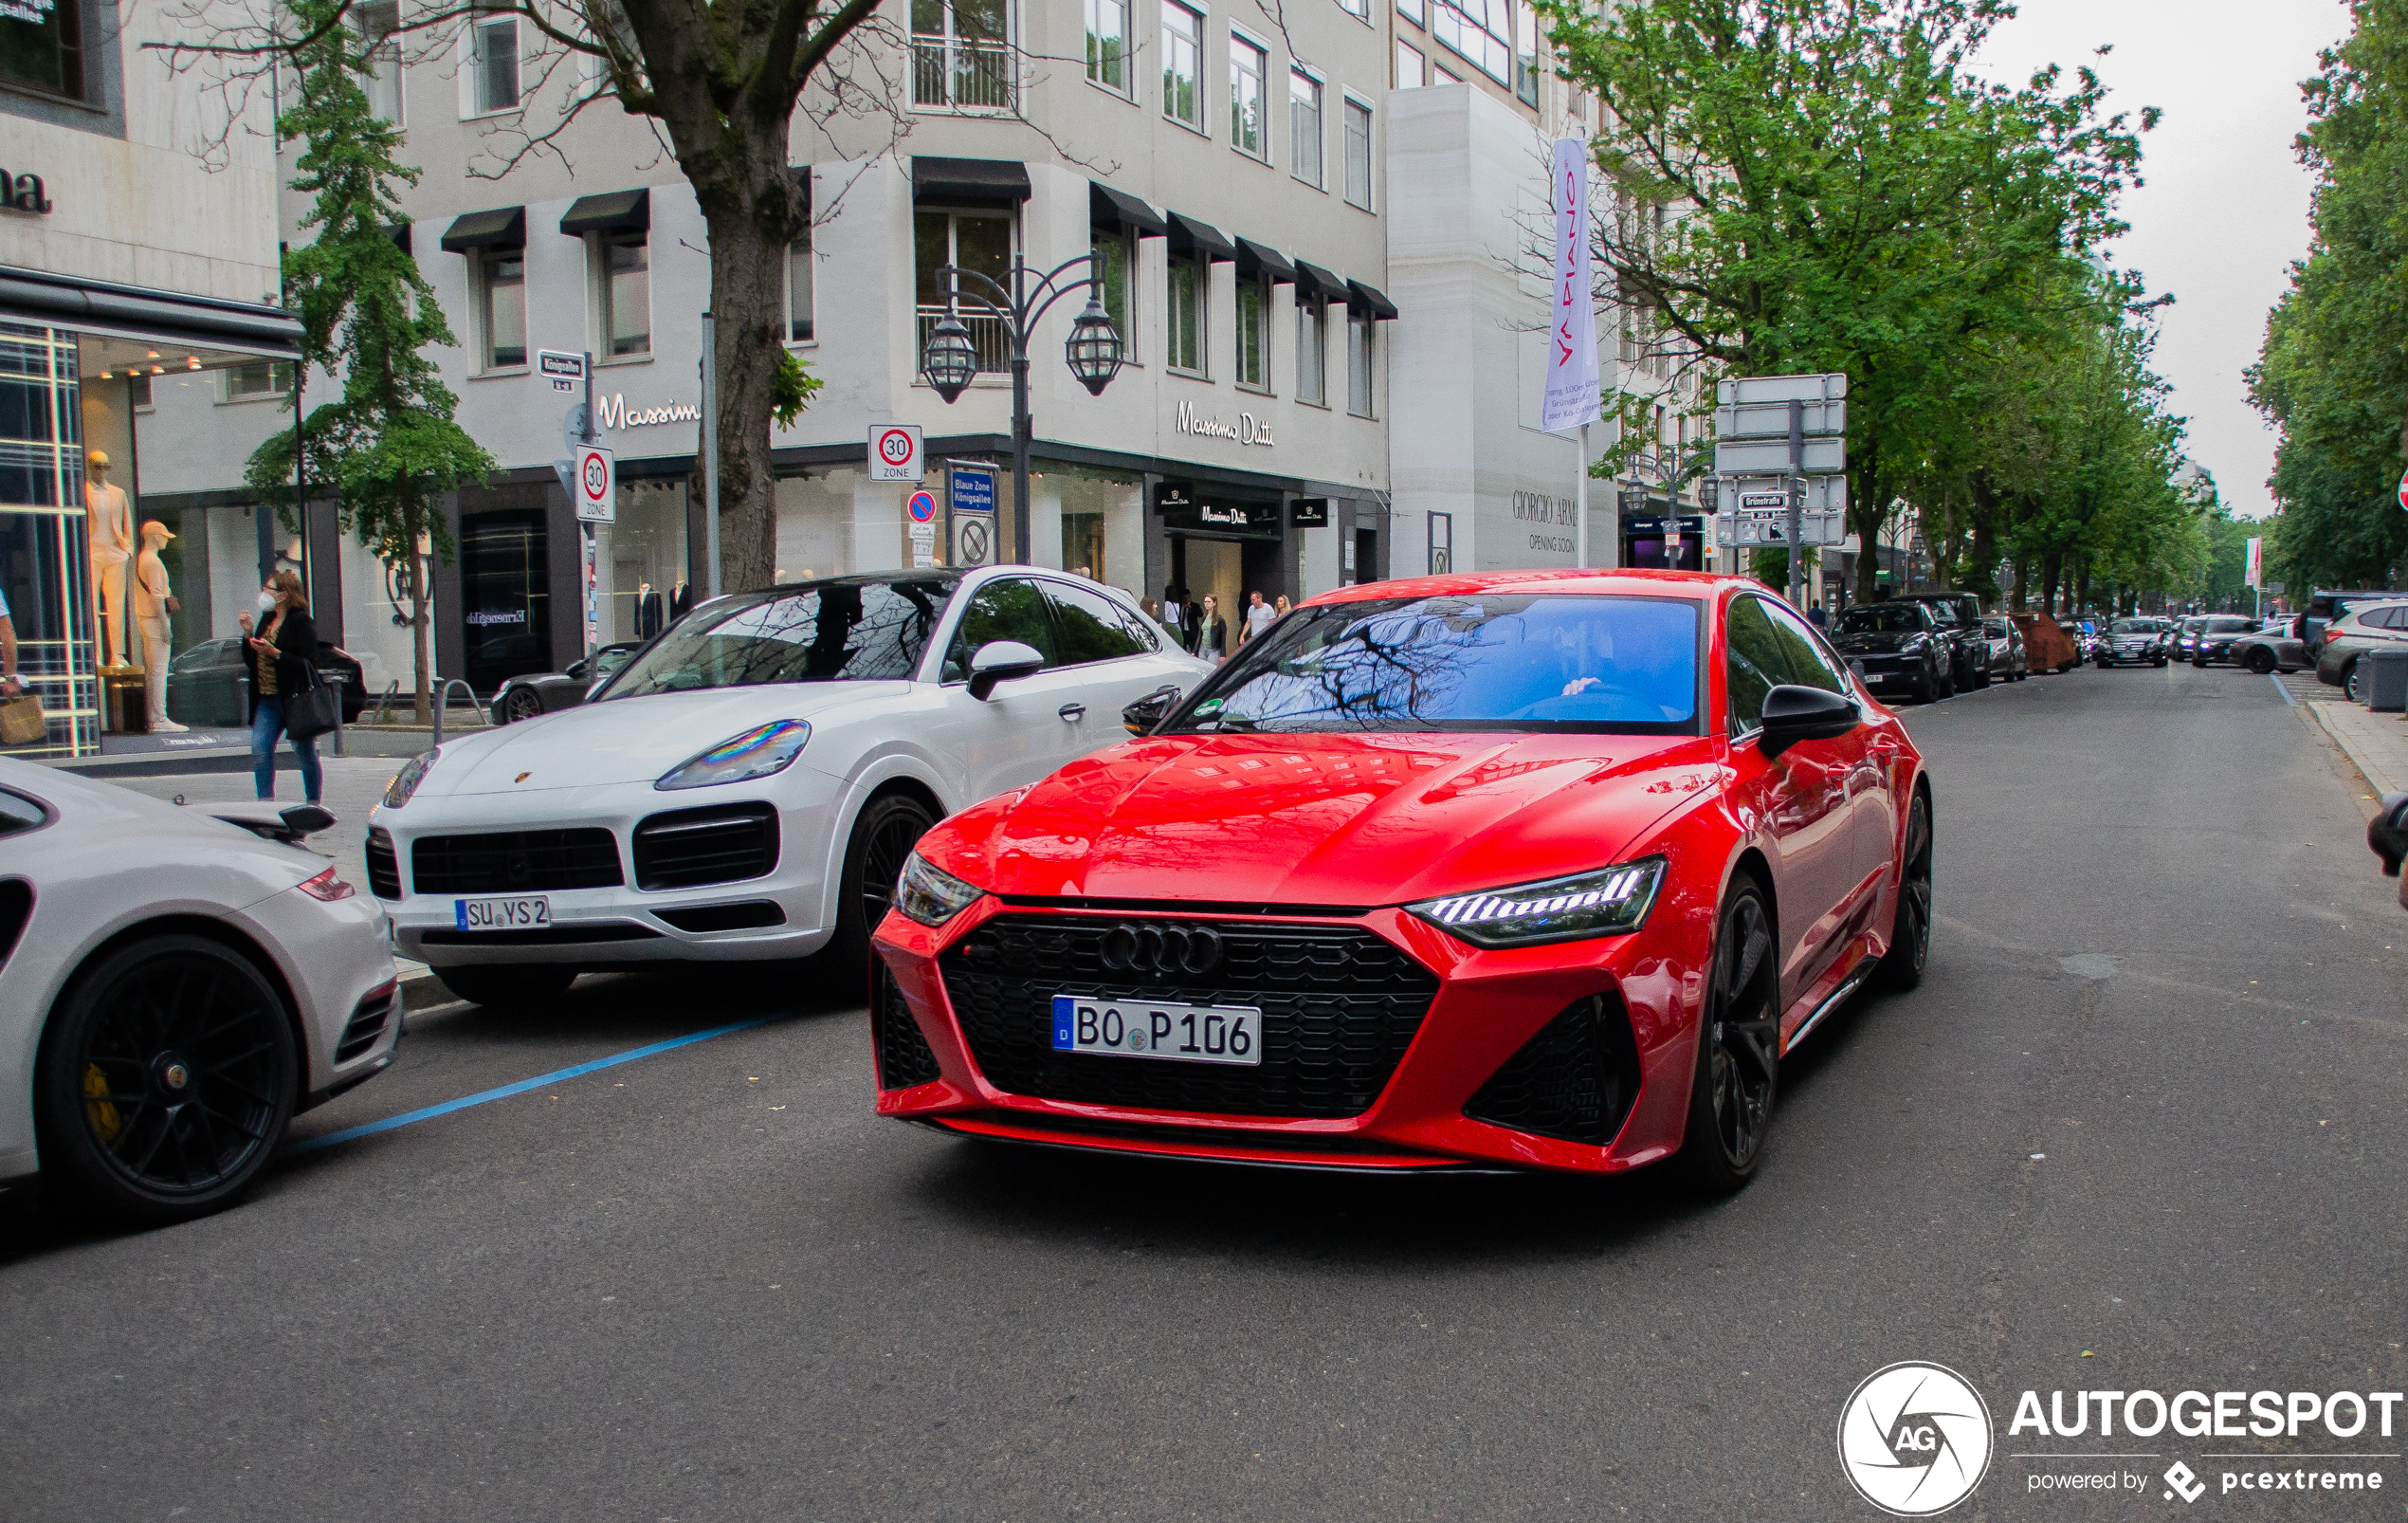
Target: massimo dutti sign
[[1187, 507], [1247, 429]]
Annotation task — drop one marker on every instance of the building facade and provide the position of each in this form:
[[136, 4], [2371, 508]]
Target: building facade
[[128, 265]]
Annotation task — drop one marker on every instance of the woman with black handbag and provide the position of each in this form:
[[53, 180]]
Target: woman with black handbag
[[285, 695]]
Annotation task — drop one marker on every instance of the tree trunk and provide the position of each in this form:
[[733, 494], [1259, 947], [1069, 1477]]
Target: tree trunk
[[1865, 515], [749, 206], [2051, 566], [2023, 582], [1985, 554], [2082, 583]]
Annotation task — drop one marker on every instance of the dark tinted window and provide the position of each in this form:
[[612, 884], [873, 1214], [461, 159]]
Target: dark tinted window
[[1089, 625], [1009, 608], [1478, 661], [2237, 626], [1802, 655], [1754, 663], [18, 813], [1883, 618], [829, 632]]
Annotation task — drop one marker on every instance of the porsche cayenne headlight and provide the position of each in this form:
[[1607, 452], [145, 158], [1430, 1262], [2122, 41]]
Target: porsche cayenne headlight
[[931, 895], [406, 781], [1609, 902], [757, 753]]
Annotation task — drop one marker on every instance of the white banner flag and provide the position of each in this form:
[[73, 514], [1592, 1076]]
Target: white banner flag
[[1572, 340], [2255, 574]]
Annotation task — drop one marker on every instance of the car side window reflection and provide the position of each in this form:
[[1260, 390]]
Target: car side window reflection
[[1090, 626], [1803, 654], [1753, 664], [1009, 608]]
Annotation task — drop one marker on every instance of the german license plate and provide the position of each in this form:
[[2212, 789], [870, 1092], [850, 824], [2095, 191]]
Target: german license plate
[[516, 912], [1184, 1034]]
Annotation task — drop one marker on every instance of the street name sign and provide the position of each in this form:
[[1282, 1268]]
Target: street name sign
[[565, 371]]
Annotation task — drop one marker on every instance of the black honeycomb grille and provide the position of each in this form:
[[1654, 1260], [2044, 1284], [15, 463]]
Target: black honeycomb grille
[[905, 1058], [1340, 1008], [384, 868], [515, 862], [1576, 1080]]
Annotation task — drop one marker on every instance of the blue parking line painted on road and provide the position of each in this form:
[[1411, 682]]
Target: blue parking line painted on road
[[521, 1087], [2276, 679]]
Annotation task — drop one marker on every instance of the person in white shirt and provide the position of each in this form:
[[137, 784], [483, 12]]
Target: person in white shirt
[[1258, 617], [153, 600]]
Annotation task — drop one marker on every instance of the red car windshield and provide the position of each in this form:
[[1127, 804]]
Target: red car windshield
[[1482, 661]]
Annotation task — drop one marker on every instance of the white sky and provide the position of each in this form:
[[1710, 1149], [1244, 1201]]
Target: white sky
[[2224, 210]]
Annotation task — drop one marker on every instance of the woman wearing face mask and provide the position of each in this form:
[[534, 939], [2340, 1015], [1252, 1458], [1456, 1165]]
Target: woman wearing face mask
[[281, 646]]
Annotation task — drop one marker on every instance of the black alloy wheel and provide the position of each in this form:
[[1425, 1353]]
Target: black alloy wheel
[[889, 827], [522, 705], [1738, 1049], [1910, 929], [497, 986], [2349, 681], [2261, 661], [166, 1080]]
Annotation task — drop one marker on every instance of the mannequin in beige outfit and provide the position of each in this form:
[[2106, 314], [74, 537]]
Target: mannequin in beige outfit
[[109, 522], [152, 603]]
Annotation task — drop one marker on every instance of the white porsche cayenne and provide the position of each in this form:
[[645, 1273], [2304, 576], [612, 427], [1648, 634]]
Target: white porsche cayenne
[[749, 785], [174, 987]]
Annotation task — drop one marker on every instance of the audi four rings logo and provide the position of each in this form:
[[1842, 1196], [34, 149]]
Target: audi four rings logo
[[1161, 949]]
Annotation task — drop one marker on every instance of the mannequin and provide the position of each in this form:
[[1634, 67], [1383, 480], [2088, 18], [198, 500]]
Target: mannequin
[[681, 599], [152, 603], [109, 522], [648, 610]]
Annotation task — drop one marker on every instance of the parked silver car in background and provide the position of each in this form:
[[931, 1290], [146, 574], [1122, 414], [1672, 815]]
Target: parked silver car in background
[[2273, 646], [2009, 661]]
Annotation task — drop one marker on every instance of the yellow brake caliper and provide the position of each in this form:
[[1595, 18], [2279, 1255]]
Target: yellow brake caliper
[[104, 1113]]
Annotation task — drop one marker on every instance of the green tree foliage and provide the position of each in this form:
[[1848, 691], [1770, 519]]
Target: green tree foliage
[[386, 446], [1799, 186], [2333, 373]]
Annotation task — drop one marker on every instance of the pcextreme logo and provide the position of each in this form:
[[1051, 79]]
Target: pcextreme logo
[[1914, 1439]]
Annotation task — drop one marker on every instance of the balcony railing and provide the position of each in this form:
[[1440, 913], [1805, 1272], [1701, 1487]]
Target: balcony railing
[[963, 74], [989, 335]]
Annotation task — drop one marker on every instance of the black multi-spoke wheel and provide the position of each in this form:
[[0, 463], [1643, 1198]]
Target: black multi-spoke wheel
[[883, 838], [523, 704], [1738, 1048], [166, 1079], [1910, 930]]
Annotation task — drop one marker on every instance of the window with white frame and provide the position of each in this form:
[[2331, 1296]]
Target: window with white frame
[[1411, 11], [1255, 332], [1247, 62], [1442, 543], [251, 380], [494, 64], [622, 293], [982, 242], [1359, 10], [379, 26], [1357, 153], [1108, 45], [1525, 54], [1304, 121], [1312, 354], [961, 56], [498, 294], [1481, 31], [1116, 260], [1359, 343], [799, 282], [1185, 302], [1182, 65], [1412, 71]]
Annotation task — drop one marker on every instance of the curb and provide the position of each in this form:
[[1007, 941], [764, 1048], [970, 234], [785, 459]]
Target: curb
[[2367, 768]]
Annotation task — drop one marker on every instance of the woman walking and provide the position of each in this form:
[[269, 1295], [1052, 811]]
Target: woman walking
[[1212, 630], [283, 649]]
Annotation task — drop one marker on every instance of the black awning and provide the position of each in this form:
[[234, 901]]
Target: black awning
[[1191, 236], [399, 233], [502, 228], [1311, 279], [1253, 259], [1109, 208], [979, 182], [616, 211], [1368, 298], [70, 302]]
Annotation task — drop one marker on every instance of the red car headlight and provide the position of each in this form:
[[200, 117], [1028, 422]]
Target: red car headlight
[[1607, 902]]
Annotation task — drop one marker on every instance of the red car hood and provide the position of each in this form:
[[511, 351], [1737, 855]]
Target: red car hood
[[1322, 820]]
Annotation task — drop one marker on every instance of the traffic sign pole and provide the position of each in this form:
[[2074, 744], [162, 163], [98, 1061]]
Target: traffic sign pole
[[592, 592], [1797, 501]]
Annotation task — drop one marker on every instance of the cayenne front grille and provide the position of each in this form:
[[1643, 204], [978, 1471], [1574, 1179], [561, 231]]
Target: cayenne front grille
[[1576, 1080], [691, 847], [1340, 1008], [515, 862], [384, 868], [905, 1058]]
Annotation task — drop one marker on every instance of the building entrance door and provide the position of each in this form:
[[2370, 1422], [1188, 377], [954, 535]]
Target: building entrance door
[[506, 585], [1218, 567]]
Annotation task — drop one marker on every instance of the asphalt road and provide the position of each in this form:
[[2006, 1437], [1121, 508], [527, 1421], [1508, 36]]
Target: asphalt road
[[707, 1284]]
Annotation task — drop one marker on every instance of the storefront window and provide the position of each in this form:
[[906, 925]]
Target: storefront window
[[42, 571], [506, 585], [1098, 520], [641, 561]]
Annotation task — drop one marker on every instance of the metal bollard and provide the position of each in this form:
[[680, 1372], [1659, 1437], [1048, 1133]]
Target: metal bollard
[[335, 680]]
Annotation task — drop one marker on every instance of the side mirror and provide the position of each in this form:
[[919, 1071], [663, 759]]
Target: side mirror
[[1792, 714], [1140, 717], [577, 668], [1001, 661]]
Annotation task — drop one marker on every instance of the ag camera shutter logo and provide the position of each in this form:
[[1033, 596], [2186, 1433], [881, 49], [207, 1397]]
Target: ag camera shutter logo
[[1914, 1439]]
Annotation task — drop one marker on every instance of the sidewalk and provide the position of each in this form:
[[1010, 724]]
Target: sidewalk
[[2378, 743]]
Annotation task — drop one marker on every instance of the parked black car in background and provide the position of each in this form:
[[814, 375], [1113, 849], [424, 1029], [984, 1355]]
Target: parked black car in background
[[2215, 637], [530, 693], [1898, 646], [1959, 615], [2132, 642]]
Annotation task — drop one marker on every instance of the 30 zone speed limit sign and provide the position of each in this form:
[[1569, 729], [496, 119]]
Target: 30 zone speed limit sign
[[597, 484], [894, 452]]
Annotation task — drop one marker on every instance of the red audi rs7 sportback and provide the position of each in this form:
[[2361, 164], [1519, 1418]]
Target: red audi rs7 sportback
[[1530, 869]]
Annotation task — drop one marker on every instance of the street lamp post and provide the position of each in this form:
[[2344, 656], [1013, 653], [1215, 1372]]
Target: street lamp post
[[1092, 351]]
